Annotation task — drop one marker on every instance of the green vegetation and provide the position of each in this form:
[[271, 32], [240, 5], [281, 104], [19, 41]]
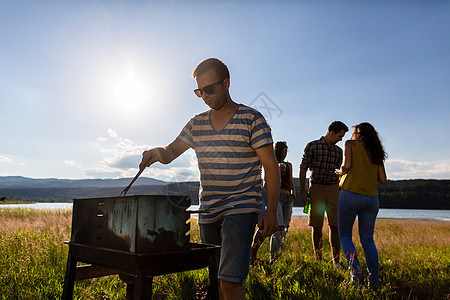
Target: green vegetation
[[419, 193], [414, 260], [6, 201], [409, 194]]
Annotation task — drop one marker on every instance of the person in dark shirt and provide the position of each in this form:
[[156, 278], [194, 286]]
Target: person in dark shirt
[[322, 157]]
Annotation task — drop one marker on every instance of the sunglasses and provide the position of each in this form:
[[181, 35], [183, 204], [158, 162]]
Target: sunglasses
[[209, 89]]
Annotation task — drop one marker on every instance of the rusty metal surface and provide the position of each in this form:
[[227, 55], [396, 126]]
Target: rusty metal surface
[[137, 224]]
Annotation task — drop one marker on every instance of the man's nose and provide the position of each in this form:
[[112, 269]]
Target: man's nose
[[205, 95]]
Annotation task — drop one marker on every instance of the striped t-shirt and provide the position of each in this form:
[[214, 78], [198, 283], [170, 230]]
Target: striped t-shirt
[[230, 170]]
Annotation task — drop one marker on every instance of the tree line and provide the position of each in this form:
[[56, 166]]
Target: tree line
[[410, 194]]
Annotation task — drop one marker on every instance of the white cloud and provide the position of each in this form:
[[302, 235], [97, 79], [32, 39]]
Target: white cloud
[[5, 159], [120, 157], [70, 162], [112, 133], [403, 169], [184, 168]]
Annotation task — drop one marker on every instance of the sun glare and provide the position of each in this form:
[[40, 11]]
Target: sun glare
[[130, 92]]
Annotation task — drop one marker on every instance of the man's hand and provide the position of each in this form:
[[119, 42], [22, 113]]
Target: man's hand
[[148, 158], [303, 196], [268, 223], [339, 172]]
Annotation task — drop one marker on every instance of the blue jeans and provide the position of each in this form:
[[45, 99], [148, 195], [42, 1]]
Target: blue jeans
[[284, 215], [235, 234], [366, 208]]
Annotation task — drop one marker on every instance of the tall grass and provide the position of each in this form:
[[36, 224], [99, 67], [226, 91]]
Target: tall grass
[[414, 264], [32, 256]]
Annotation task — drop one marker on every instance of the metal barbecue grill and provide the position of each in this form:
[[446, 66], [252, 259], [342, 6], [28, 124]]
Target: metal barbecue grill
[[137, 237]]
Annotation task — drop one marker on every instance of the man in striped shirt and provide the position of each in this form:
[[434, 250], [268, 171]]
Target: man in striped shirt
[[322, 157], [231, 142]]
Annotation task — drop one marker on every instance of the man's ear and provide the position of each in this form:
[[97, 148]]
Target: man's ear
[[227, 82]]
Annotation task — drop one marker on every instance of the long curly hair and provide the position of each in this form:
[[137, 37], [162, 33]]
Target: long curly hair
[[367, 133], [279, 151]]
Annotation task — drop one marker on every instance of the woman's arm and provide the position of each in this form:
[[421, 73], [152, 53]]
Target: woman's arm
[[347, 161], [291, 179], [382, 178]]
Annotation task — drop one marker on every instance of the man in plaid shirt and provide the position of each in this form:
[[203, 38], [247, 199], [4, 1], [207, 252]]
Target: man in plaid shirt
[[322, 157]]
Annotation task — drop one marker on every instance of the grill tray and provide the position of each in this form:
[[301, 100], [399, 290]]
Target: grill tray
[[195, 256]]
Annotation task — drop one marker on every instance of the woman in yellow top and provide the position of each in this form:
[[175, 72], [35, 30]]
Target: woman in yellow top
[[361, 170]]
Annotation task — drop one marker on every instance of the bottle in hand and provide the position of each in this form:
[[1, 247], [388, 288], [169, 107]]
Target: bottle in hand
[[307, 207]]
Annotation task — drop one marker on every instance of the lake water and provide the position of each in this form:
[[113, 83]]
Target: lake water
[[42, 205], [441, 215], [391, 213]]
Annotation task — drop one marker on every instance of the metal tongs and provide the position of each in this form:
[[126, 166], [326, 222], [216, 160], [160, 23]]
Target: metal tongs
[[125, 190]]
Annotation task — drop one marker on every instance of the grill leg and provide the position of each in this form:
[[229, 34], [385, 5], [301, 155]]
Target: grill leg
[[141, 289], [69, 278], [129, 280], [213, 290]]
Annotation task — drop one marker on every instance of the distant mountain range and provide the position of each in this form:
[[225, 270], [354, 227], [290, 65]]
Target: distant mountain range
[[419, 193], [61, 190], [19, 181]]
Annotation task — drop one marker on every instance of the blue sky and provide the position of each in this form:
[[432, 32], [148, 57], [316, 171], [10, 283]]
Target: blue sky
[[86, 86]]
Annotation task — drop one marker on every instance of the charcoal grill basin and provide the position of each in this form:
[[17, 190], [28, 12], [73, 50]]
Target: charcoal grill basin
[[137, 237], [142, 267]]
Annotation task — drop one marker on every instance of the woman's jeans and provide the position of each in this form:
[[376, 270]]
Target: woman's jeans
[[284, 213], [366, 208]]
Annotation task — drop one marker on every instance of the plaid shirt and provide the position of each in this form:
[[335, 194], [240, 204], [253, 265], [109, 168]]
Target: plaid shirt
[[322, 160]]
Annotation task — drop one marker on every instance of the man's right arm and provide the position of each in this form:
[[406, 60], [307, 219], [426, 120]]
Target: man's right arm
[[303, 168], [302, 178], [163, 155], [268, 220]]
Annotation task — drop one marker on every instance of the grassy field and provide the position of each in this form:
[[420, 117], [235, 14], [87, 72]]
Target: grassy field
[[414, 264]]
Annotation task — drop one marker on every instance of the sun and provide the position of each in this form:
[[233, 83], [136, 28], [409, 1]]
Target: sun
[[130, 93]]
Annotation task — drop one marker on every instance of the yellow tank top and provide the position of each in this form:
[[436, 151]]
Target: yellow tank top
[[362, 177]]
